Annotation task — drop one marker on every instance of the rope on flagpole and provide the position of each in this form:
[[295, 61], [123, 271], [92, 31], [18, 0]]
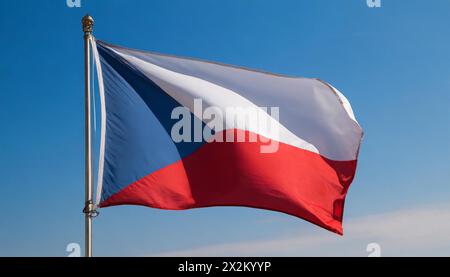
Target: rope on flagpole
[[101, 91], [93, 95]]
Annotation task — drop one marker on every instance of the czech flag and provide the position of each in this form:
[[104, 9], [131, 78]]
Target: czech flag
[[180, 133]]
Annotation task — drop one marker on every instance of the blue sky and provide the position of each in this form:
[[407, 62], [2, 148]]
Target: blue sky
[[392, 63]]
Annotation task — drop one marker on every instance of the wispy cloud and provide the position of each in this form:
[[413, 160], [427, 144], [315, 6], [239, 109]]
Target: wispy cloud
[[421, 231]]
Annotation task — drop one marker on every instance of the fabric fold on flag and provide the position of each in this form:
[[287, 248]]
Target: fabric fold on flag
[[307, 124]]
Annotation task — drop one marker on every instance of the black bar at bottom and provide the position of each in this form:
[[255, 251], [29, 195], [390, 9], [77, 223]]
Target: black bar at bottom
[[223, 265]]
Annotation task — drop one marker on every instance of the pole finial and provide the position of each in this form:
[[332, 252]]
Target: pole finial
[[88, 24]]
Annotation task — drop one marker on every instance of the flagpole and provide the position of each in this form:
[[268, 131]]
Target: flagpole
[[88, 24]]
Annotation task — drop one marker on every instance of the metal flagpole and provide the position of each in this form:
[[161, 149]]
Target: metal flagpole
[[88, 24]]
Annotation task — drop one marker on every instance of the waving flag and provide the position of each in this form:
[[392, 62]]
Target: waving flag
[[181, 133]]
